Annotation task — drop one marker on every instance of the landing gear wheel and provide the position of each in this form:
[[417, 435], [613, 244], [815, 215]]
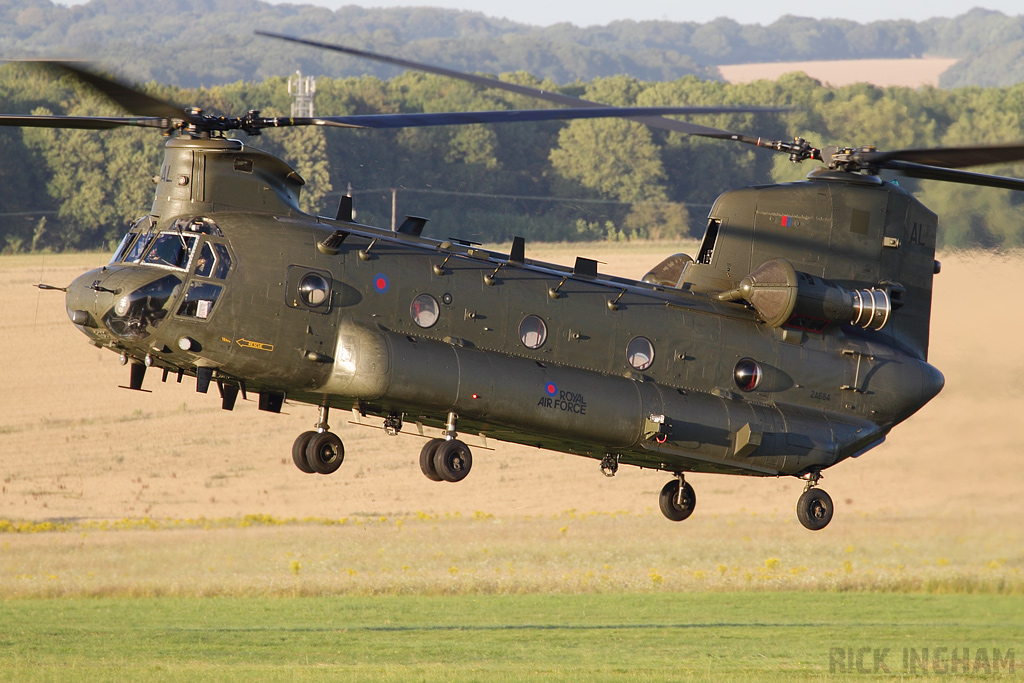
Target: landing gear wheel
[[676, 507], [299, 452], [453, 460], [325, 453], [814, 509], [427, 459]]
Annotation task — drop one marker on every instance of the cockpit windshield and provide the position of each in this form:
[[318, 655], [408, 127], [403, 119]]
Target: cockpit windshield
[[170, 248], [128, 242], [138, 248], [173, 249]]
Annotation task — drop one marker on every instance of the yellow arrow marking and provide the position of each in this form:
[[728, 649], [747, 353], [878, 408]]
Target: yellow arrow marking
[[259, 346]]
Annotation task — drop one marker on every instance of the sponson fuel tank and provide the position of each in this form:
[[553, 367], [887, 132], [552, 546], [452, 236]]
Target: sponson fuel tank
[[644, 420]]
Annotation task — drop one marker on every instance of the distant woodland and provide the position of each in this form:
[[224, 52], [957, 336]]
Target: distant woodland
[[210, 42], [62, 189]]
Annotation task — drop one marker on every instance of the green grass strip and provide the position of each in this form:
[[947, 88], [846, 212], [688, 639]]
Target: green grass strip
[[673, 636]]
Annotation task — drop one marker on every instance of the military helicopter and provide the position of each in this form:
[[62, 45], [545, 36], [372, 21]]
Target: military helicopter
[[795, 338]]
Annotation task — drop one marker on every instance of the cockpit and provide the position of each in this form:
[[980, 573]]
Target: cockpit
[[169, 248], [188, 250]]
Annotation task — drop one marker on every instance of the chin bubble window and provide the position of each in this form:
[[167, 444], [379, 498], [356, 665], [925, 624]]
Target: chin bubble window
[[640, 353], [747, 374], [424, 310], [533, 332]]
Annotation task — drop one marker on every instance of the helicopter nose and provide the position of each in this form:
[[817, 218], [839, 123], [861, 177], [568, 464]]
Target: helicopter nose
[[128, 303], [87, 298]]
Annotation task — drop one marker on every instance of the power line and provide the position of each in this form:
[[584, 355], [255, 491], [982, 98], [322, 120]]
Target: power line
[[514, 197]]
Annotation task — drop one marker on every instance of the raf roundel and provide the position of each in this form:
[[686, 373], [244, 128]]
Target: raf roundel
[[381, 283], [551, 389]]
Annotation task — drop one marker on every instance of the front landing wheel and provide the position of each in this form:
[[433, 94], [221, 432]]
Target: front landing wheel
[[814, 509], [325, 453], [452, 460], [675, 506]]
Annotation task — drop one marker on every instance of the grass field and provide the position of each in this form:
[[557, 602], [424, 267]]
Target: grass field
[[713, 637], [583, 597]]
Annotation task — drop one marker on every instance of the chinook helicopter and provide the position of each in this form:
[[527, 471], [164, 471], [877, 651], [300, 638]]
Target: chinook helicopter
[[795, 337]]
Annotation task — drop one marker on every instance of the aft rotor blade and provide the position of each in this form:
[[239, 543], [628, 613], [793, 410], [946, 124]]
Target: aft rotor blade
[[547, 95], [948, 157], [950, 175], [499, 116]]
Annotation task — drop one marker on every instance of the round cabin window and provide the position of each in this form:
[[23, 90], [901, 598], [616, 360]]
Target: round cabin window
[[424, 310], [533, 332], [640, 353]]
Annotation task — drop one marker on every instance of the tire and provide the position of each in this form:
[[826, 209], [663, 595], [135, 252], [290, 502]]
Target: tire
[[453, 460], [427, 459], [814, 509], [325, 453], [669, 505], [299, 452]]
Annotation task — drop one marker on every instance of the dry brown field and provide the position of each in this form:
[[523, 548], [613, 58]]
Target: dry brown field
[[909, 73]]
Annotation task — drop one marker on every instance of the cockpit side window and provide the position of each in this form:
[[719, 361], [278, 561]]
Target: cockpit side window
[[204, 263], [199, 300], [223, 262], [213, 261]]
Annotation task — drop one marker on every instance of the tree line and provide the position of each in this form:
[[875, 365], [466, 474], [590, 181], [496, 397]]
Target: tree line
[[602, 179], [210, 42]]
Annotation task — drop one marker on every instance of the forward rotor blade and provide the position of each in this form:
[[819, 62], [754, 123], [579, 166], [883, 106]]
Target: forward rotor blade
[[557, 98], [950, 175], [948, 157], [84, 122], [500, 116], [133, 101]]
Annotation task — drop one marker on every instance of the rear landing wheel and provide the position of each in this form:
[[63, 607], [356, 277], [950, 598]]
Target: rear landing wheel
[[675, 506], [814, 509], [299, 451]]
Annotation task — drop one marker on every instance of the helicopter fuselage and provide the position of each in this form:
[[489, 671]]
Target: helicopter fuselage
[[395, 324]]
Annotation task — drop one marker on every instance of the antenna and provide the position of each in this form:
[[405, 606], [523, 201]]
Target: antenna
[[302, 89]]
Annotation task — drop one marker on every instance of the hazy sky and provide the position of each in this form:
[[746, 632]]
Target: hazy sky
[[590, 12]]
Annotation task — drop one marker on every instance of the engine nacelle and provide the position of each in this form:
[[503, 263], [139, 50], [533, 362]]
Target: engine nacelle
[[782, 295]]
